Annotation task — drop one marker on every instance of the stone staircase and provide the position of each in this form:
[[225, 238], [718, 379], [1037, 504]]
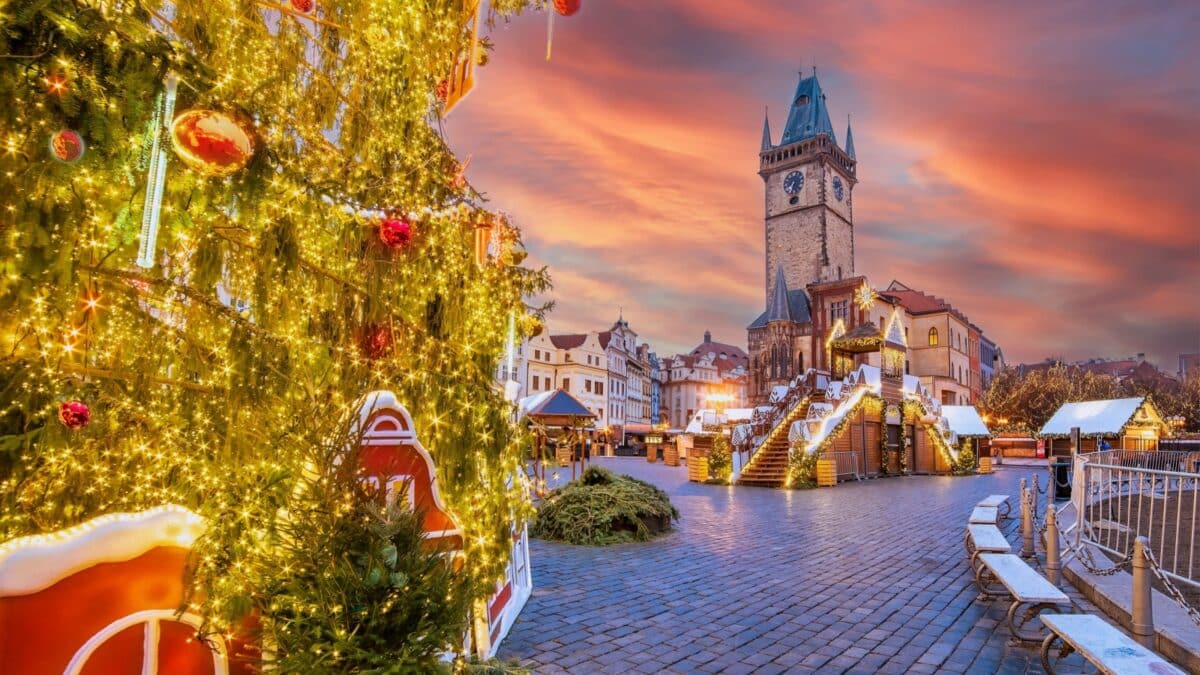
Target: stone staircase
[[768, 467]]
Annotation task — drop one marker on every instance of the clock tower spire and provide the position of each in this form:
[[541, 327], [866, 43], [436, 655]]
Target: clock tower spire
[[808, 180]]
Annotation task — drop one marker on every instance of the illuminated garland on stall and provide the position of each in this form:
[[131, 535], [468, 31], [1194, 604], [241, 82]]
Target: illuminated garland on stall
[[874, 406], [803, 464], [783, 427]]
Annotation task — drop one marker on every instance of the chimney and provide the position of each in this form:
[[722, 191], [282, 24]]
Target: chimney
[[707, 336]]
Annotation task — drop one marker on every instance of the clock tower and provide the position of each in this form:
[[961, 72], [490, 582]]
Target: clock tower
[[809, 181]]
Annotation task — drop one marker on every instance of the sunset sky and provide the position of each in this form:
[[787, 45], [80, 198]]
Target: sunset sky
[[1038, 167]]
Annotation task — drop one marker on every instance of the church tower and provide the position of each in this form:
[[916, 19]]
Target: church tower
[[808, 182]]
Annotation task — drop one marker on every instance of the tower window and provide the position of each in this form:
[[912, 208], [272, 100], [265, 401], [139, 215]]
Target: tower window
[[802, 99], [933, 337]]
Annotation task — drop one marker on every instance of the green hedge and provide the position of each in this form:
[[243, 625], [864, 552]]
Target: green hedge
[[604, 508]]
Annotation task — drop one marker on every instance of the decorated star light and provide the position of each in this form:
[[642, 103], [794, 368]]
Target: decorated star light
[[865, 296]]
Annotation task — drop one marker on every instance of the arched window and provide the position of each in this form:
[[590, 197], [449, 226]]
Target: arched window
[[933, 337], [800, 363]]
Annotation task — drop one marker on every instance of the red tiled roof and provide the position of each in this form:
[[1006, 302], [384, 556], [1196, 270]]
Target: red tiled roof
[[568, 341], [917, 302], [733, 352], [605, 338]]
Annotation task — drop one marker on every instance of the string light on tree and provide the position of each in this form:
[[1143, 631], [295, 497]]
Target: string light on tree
[[205, 405]]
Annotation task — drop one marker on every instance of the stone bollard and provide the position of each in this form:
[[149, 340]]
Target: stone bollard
[[1143, 607], [1028, 549], [1053, 563]]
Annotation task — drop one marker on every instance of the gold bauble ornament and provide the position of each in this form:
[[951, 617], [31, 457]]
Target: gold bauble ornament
[[212, 143]]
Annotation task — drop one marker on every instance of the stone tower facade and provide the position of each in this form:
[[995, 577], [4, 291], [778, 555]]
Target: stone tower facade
[[808, 184]]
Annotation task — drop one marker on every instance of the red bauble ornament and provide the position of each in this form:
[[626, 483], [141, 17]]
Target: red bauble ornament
[[74, 414], [442, 91], [375, 341], [66, 146], [567, 7], [395, 232], [212, 143], [303, 6]]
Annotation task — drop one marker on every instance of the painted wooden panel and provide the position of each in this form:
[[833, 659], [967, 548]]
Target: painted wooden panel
[[941, 462], [100, 599], [924, 455], [842, 442]]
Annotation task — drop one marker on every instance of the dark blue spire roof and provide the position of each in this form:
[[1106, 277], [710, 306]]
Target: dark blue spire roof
[[849, 141], [808, 115], [778, 309], [766, 140]]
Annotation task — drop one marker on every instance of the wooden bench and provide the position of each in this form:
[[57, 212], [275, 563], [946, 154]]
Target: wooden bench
[[1025, 586], [984, 539], [1105, 647], [997, 501], [983, 515]]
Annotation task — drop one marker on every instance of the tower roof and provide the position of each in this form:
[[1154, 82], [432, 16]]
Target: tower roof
[[808, 115], [777, 308], [849, 141], [766, 139]]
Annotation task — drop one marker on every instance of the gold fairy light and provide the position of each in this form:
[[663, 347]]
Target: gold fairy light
[[187, 391]]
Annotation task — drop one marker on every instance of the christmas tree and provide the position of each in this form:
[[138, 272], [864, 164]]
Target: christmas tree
[[221, 224]]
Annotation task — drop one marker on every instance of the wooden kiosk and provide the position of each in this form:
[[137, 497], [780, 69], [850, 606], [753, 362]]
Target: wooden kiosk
[[563, 429]]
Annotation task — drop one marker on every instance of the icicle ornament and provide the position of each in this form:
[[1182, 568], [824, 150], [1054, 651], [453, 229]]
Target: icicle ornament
[[156, 174]]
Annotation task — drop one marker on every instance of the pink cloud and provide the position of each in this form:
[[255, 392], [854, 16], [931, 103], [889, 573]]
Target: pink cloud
[[1035, 165]]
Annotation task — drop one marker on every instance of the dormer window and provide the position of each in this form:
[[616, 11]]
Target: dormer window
[[802, 99]]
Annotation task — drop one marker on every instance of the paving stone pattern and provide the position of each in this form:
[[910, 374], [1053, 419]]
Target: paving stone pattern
[[862, 578]]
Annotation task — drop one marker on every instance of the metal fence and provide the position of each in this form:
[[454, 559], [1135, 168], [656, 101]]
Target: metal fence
[[1123, 494], [846, 464]]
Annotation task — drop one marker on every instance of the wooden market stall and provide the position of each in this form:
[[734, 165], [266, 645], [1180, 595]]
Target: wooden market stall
[[970, 432], [561, 422], [1119, 424]]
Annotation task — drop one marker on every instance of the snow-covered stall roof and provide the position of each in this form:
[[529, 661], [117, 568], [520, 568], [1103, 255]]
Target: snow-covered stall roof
[[530, 402], [554, 403], [964, 420], [778, 393], [705, 418], [741, 434], [1094, 418], [739, 414]]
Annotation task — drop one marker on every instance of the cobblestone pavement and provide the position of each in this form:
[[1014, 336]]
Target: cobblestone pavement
[[865, 577]]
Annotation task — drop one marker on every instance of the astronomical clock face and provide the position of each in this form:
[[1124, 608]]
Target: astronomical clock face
[[838, 191], [793, 182]]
